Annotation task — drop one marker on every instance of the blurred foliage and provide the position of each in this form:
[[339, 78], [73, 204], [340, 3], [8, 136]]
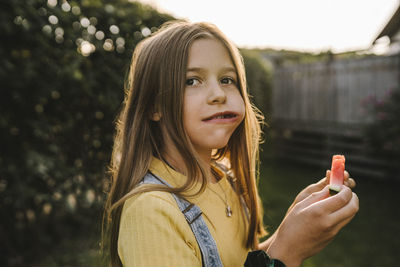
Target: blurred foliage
[[383, 134], [62, 71], [259, 81]]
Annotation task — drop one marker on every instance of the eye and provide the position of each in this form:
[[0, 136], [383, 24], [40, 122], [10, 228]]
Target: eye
[[192, 82], [228, 80]]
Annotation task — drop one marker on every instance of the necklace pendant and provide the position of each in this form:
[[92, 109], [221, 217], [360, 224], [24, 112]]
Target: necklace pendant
[[228, 211]]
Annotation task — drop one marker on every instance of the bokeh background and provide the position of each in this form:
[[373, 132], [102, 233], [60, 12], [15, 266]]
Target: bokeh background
[[62, 72]]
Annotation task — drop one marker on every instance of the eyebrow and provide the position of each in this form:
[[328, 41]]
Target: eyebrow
[[202, 70]]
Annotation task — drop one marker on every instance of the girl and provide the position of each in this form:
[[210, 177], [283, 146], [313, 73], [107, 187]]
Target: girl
[[184, 164]]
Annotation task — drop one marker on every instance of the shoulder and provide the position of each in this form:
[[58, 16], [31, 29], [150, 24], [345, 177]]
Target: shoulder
[[153, 211], [152, 198], [152, 229], [151, 204]]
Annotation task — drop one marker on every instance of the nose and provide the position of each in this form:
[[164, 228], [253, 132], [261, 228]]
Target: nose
[[217, 94]]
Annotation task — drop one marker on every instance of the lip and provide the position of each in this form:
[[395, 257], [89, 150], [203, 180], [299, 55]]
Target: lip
[[227, 116]]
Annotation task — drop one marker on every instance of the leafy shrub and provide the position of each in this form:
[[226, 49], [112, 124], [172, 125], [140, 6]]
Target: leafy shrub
[[62, 73]]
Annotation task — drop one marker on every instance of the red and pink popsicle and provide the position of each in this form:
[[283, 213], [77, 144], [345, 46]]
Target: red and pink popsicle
[[337, 174]]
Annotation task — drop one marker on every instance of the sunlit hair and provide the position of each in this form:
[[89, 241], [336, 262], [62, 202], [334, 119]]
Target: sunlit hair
[[156, 83]]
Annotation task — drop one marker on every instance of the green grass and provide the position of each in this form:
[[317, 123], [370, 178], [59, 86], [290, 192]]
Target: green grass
[[371, 239]]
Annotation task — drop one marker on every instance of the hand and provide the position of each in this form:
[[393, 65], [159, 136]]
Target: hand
[[319, 186], [307, 192], [311, 224]]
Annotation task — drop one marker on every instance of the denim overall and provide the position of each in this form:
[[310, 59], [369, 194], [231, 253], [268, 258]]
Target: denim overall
[[192, 213]]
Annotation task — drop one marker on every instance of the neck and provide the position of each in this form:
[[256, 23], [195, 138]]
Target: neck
[[176, 162]]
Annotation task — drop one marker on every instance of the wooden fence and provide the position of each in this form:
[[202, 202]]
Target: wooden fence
[[320, 109]]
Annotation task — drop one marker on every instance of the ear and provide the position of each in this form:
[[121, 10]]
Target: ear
[[156, 116]]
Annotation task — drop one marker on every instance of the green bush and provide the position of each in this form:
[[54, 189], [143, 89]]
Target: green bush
[[62, 73]]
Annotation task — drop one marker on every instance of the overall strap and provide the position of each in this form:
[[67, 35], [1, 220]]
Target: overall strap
[[192, 213]]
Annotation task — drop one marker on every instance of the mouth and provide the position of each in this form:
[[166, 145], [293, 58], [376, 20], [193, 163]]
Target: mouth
[[222, 116]]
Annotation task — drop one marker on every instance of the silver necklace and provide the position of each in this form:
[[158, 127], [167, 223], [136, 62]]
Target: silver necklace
[[228, 209]]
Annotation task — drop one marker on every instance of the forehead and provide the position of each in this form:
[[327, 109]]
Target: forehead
[[209, 52]]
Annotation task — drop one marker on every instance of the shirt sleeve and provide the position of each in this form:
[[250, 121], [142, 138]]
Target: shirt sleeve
[[154, 232]]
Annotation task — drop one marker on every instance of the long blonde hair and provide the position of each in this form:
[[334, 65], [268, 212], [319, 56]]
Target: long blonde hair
[[156, 82]]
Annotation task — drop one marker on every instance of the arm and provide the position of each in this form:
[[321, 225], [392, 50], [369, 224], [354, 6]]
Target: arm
[[154, 232]]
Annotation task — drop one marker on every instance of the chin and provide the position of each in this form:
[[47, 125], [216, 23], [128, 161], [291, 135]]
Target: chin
[[220, 145]]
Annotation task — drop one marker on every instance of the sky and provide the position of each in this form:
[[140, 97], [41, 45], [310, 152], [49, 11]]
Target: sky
[[303, 25]]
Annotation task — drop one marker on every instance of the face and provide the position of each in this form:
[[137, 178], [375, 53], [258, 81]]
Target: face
[[213, 105]]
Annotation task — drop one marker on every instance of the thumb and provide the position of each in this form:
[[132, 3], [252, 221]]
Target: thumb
[[314, 197]]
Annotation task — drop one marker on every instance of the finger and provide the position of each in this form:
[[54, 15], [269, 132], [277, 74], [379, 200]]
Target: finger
[[318, 186], [346, 175], [350, 183], [339, 224], [314, 197], [338, 201], [324, 181], [348, 211], [328, 176]]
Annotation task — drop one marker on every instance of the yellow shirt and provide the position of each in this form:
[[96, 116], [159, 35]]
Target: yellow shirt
[[154, 232]]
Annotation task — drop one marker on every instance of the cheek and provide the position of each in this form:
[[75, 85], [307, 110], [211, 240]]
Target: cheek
[[193, 103], [191, 111], [239, 103]]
